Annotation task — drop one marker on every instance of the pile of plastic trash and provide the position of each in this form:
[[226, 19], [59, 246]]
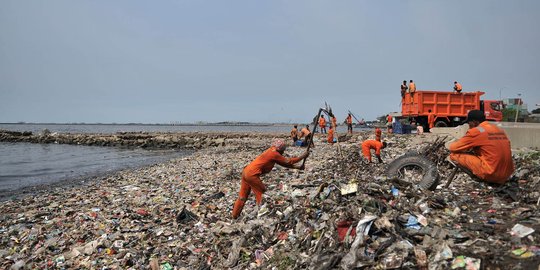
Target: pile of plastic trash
[[337, 213]]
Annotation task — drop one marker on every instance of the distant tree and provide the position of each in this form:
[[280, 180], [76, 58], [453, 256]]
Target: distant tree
[[535, 111], [509, 114]]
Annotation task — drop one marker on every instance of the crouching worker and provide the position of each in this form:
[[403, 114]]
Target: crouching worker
[[372, 144], [261, 165], [484, 150], [330, 137]]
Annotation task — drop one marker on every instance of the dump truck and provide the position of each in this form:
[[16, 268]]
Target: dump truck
[[450, 108]]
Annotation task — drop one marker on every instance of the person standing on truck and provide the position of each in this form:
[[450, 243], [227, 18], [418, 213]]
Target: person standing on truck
[[367, 145], [349, 123], [412, 89], [322, 124], [263, 164], [457, 87], [484, 150], [294, 134], [431, 119], [404, 89]]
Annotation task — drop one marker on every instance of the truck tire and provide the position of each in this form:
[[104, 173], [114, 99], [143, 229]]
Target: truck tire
[[423, 169], [441, 123]]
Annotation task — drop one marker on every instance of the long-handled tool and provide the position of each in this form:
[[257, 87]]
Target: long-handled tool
[[334, 127], [309, 141], [355, 118]]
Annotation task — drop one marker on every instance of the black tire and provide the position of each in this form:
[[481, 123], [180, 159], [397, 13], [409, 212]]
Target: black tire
[[441, 123], [429, 173]]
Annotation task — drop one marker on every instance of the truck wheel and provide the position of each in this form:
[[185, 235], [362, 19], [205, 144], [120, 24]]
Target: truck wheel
[[441, 123], [414, 169]]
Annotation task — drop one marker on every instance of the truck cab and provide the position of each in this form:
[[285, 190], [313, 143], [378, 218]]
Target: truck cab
[[492, 109]]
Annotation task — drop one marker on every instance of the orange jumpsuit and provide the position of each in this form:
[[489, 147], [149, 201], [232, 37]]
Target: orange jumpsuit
[[330, 138], [412, 88], [389, 124], [334, 122], [305, 132], [378, 134], [294, 134], [371, 144], [251, 176], [491, 159], [322, 124], [431, 120], [349, 124], [458, 87]]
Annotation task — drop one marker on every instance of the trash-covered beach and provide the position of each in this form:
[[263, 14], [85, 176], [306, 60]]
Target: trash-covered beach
[[338, 213]]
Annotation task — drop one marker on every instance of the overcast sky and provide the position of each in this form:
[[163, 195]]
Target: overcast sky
[[258, 61]]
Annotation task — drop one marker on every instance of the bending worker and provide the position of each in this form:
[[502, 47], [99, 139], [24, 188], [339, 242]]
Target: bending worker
[[484, 150], [306, 134], [261, 165], [372, 144], [322, 124], [330, 137], [457, 87]]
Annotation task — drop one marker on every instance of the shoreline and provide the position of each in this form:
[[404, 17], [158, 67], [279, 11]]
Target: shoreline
[[134, 218]]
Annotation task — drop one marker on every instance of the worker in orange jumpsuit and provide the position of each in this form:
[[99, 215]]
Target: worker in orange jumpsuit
[[457, 87], [294, 134], [330, 137], [372, 144], [349, 123], [431, 119], [412, 89], [322, 124], [378, 134], [334, 121], [404, 89], [389, 123], [261, 165], [306, 134], [484, 150]]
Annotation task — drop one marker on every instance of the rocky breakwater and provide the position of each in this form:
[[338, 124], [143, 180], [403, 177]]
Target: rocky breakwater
[[157, 140]]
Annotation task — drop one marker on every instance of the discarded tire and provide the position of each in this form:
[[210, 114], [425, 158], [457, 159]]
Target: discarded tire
[[441, 123], [422, 166]]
